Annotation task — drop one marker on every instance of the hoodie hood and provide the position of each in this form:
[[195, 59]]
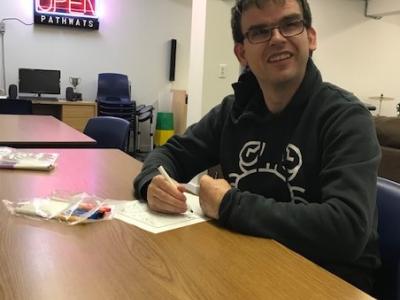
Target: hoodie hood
[[249, 99]]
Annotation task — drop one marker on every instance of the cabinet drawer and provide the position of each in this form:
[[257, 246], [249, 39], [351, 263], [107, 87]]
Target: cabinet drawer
[[77, 123], [77, 115], [87, 111]]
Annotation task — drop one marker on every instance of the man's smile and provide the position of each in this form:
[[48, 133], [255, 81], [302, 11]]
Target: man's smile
[[278, 57]]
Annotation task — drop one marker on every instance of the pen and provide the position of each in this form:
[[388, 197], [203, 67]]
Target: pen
[[165, 174], [167, 177]]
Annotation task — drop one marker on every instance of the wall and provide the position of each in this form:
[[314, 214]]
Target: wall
[[355, 52], [358, 53], [196, 68], [211, 45], [383, 7], [218, 50], [133, 39]]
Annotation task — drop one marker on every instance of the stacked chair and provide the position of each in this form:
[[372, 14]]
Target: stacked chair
[[114, 99]]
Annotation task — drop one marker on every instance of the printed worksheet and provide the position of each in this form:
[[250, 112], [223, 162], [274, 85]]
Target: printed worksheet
[[137, 213]]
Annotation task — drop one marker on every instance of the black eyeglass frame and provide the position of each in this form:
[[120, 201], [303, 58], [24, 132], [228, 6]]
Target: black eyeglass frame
[[279, 27]]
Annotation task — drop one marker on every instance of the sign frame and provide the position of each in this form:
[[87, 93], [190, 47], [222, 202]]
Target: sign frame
[[65, 13]]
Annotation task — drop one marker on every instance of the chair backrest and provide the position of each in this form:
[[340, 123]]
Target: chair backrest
[[109, 132], [388, 201], [15, 107], [113, 87]]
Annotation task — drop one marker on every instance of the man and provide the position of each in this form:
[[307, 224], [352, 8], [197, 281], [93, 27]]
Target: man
[[299, 156]]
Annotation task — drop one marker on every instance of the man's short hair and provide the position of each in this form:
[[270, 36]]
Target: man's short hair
[[242, 5]]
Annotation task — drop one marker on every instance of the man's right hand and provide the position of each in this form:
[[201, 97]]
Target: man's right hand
[[162, 196]]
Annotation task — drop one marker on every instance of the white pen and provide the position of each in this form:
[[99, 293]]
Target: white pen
[[167, 177], [165, 174]]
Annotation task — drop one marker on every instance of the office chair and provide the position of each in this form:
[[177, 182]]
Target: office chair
[[15, 107], [113, 99], [123, 110], [109, 132], [388, 201], [113, 87]]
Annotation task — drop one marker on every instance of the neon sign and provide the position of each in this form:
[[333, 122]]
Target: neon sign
[[71, 13]]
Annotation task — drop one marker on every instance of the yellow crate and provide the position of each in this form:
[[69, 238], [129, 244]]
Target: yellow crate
[[162, 136]]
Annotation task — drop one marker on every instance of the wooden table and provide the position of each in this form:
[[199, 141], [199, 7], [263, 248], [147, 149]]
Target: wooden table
[[74, 113], [22, 131], [114, 260]]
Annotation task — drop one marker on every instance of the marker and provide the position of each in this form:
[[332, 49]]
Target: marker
[[167, 177], [90, 206]]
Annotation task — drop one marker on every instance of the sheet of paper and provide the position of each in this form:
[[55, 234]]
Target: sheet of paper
[[137, 213]]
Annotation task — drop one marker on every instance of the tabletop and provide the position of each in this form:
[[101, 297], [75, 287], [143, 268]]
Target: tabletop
[[66, 102], [114, 260], [40, 131]]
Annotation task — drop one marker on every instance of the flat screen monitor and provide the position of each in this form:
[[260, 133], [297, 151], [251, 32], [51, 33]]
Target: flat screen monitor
[[39, 81]]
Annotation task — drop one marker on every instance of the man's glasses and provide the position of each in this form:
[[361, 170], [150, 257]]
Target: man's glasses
[[259, 35]]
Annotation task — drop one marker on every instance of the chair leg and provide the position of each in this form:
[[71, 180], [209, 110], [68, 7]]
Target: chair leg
[[128, 141], [133, 128], [138, 137], [151, 134]]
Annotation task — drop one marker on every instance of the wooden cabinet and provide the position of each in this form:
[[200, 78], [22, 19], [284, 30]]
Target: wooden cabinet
[[75, 114]]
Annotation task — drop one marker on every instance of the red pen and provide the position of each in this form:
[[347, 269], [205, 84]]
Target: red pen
[[90, 206]]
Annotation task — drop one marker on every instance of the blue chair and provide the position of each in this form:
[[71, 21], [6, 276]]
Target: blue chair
[[109, 132], [15, 107], [388, 201], [113, 88], [114, 99]]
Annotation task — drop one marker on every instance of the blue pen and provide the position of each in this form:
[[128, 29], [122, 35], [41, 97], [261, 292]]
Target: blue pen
[[95, 216]]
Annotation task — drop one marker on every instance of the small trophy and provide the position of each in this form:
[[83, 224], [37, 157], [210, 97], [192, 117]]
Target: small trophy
[[74, 81], [72, 95]]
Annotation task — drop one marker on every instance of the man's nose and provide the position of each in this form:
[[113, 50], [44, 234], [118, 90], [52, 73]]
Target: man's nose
[[276, 36]]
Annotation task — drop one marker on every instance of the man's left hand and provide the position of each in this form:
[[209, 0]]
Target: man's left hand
[[211, 193]]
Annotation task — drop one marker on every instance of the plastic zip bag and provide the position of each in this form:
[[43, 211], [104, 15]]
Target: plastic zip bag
[[66, 208]]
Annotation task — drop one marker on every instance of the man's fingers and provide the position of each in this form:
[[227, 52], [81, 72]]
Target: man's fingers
[[159, 205], [163, 184], [162, 196]]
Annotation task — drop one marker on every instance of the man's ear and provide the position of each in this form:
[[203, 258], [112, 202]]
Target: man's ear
[[312, 39], [240, 54]]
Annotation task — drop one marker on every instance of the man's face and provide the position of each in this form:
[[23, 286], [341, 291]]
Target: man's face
[[281, 60]]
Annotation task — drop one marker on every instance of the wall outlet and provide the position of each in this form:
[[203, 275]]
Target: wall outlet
[[222, 71]]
